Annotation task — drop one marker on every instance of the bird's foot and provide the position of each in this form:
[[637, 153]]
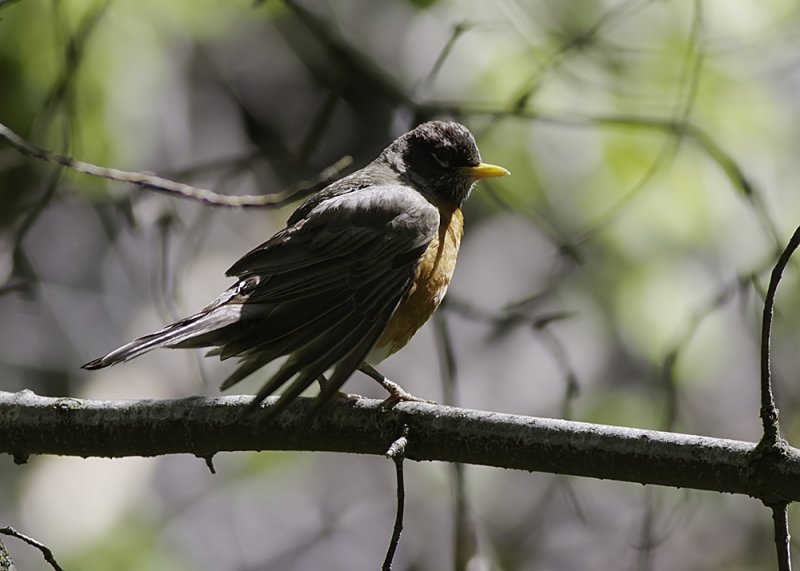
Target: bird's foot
[[398, 394]]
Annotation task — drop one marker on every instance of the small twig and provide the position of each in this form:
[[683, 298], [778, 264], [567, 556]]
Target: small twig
[[679, 345], [209, 460], [46, 553], [686, 96], [448, 370], [561, 357], [771, 440], [769, 412], [647, 543], [397, 452], [514, 315], [357, 64], [782, 538], [572, 41], [33, 214], [318, 126], [458, 30], [398, 447], [465, 541], [159, 184]]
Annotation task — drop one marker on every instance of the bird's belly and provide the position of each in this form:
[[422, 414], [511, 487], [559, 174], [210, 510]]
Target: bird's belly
[[434, 271]]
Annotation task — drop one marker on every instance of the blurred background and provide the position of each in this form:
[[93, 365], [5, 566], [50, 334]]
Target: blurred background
[[616, 277]]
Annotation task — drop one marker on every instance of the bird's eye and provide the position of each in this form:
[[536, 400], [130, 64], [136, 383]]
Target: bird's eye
[[443, 156]]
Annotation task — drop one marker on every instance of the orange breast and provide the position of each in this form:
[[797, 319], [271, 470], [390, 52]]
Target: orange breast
[[430, 284]]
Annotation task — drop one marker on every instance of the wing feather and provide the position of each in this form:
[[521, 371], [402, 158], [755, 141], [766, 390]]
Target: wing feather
[[328, 286], [320, 291]]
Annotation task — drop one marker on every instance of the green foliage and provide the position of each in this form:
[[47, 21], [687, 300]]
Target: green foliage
[[133, 546], [653, 147]]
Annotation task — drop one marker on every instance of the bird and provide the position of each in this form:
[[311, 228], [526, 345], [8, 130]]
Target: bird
[[360, 266]]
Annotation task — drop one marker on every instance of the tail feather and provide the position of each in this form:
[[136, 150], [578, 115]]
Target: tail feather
[[196, 330]]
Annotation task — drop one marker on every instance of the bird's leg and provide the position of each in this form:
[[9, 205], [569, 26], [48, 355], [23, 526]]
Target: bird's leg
[[396, 392], [323, 382]]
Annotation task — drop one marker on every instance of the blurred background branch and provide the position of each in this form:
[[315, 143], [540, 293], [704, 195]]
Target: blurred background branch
[[159, 184], [617, 278]]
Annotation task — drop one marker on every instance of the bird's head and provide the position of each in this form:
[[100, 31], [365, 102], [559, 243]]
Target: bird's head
[[441, 158]]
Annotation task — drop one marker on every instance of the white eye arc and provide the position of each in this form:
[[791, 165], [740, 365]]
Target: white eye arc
[[442, 156]]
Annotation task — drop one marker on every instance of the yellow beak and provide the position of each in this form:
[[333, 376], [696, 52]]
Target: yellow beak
[[484, 170]]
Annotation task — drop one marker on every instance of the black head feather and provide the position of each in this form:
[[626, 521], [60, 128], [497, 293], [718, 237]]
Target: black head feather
[[430, 156]]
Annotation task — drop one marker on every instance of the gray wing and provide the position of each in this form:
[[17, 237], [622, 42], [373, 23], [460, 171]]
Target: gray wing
[[323, 289]]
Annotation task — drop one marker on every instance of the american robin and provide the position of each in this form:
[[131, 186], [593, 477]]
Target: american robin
[[360, 266]]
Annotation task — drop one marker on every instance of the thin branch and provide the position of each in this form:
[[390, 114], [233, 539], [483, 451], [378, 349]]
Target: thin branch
[[690, 329], [60, 99], [573, 41], [159, 184], [397, 452], [560, 355], [772, 449], [448, 365], [46, 553], [358, 66], [31, 216], [318, 126], [686, 95], [31, 424], [769, 412], [515, 314], [465, 540], [780, 518], [646, 545], [458, 30]]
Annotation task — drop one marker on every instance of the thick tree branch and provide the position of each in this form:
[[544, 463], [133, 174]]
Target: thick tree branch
[[31, 424]]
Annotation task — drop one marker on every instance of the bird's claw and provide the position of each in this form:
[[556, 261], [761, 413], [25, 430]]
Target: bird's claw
[[398, 394]]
